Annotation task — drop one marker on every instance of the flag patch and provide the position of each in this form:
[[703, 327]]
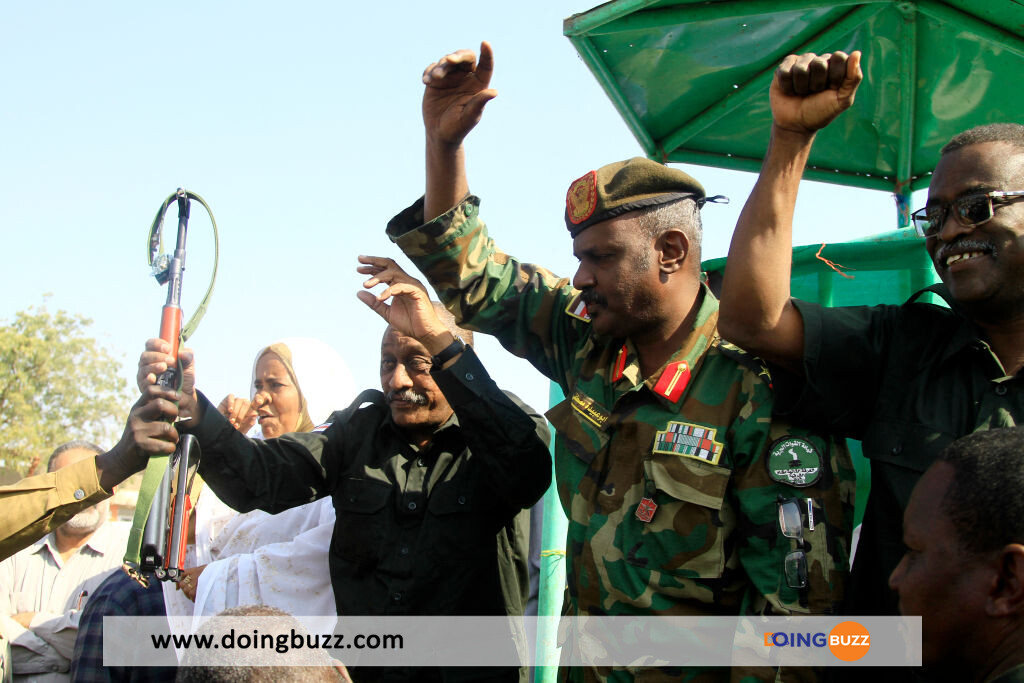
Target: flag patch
[[322, 427], [689, 440], [578, 309]]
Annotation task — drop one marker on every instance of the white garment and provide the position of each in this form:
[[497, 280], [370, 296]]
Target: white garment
[[288, 568], [38, 580]]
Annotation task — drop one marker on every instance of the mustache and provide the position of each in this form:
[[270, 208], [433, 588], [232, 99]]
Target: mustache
[[589, 296], [408, 395], [963, 245]]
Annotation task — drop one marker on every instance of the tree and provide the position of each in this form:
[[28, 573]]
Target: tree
[[56, 384]]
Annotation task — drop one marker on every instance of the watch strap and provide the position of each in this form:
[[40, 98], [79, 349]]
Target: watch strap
[[449, 352]]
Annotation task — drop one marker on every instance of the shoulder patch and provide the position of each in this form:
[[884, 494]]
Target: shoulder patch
[[689, 441], [795, 461], [322, 428], [747, 360], [578, 309]]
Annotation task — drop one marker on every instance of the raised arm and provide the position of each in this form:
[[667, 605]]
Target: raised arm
[[807, 93], [457, 88]]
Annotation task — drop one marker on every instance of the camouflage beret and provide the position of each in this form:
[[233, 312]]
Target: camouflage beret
[[625, 186]]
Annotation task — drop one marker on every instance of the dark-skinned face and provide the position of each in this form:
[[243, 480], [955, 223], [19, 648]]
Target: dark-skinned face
[[982, 266]]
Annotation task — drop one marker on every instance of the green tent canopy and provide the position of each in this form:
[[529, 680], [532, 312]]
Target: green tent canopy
[[690, 78]]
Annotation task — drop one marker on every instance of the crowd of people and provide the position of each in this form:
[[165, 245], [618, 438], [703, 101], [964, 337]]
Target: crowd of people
[[699, 454]]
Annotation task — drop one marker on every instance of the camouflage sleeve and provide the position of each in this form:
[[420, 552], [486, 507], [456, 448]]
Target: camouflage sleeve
[[523, 305], [794, 493]]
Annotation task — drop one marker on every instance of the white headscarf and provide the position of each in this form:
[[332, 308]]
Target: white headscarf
[[322, 378]]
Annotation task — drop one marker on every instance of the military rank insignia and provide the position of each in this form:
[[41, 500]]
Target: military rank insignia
[[795, 461], [581, 199], [690, 441], [673, 380], [646, 509]]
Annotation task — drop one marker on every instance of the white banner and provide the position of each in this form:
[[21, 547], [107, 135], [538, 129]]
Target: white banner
[[509, 641]]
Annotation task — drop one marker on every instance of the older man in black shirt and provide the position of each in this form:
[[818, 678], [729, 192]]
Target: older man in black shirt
[[427, 479]]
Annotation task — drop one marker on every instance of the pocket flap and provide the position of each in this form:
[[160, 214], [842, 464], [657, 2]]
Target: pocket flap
[[363, 495], [446, 499], [690, 480], [908, 445]]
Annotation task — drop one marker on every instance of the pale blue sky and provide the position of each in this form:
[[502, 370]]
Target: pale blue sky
[[299, 123]]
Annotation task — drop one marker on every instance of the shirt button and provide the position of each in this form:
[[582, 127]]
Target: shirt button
[[469, 376], [396, 597], [419, 462], [411, 505], [462, 500], [897, 449], [79, 495], [1000, 390], [404, 550]]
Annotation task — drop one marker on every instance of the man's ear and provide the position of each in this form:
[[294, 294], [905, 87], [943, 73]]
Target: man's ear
[[1006, 597], [672, 247]]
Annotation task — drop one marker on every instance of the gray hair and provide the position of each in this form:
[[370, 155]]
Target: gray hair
[[683, 215]]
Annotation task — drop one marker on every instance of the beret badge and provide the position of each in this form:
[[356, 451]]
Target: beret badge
[[581, 199]]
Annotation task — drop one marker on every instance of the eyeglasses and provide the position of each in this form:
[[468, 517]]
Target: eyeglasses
[[970, 211], [792, 525]]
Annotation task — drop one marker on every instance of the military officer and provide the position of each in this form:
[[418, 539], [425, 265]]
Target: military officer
[[668, 466]]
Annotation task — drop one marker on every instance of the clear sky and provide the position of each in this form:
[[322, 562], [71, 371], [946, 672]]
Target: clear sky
[[299, 123]]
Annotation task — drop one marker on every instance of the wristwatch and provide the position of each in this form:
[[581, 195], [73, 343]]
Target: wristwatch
[[448, 352]]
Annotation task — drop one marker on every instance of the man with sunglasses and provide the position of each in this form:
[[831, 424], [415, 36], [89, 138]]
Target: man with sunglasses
[[906, 380]]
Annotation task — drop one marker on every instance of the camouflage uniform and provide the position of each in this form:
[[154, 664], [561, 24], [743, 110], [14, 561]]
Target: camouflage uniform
[[713, 545]]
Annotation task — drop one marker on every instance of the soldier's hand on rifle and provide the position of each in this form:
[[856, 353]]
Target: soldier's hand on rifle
[[411, 312], [149, 431], [155, 360], [809, 91], [457, 88]]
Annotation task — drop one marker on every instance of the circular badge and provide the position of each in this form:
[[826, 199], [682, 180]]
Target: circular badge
[[795, 461]]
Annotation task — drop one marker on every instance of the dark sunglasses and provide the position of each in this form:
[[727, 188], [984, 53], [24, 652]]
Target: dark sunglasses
[[969, 210]]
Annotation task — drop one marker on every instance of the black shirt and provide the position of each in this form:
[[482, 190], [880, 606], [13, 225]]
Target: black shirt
[[427, 531]]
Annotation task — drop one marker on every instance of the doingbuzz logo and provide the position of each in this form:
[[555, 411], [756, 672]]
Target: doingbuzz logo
[[848, 641]]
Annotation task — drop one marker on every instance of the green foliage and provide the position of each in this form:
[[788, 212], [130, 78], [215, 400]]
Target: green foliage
[[56, 384]]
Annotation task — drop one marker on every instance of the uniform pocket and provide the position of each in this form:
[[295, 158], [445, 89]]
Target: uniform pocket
[[361, 519], [686, 535], [460, 524]]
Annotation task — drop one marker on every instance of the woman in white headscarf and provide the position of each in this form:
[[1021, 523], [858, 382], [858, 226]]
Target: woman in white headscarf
[[257, 558]]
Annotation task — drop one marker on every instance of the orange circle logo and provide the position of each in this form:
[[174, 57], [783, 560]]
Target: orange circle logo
[[849, 641]]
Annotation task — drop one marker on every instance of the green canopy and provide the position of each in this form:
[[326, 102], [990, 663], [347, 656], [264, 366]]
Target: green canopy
[[690, 78]]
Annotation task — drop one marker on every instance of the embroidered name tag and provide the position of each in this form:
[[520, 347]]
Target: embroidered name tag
[[690, 441], [590, 411]]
